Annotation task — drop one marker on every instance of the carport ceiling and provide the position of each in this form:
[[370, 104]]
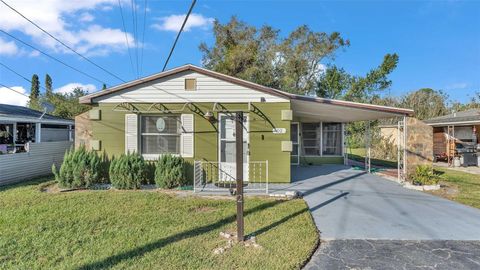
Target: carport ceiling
[[317, 109]]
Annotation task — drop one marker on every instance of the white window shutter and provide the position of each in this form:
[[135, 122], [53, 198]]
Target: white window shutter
[[131, 133], [187, 136]]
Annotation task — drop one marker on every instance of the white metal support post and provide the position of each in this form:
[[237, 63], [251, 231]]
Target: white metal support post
[[368, 148], [402, 150], [38, 132], [344, 144], [405, 140]]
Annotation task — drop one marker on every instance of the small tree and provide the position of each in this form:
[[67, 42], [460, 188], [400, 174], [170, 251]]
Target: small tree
[[170, 171], [48, 85], [34, 93], [128, 171], [81, 168]]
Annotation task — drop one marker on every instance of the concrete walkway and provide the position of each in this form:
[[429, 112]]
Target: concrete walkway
[[351, 204]]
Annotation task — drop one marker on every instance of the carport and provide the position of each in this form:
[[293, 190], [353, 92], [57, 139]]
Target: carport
[[318, 130]]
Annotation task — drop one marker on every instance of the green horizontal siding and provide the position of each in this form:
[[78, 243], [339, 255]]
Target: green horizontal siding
[[264, 145]]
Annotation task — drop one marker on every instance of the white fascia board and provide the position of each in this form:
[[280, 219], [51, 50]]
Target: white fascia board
[[10, 120], [464, 123]]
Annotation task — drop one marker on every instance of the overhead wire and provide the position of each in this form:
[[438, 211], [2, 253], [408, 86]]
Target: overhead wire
[[61, 42], [52, 57], [19, 75], [18, 92], [126, 37], [143, 34], [178, 35], [135, 32]]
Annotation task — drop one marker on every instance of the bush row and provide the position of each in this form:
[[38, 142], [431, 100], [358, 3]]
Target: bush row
[[83, 168]]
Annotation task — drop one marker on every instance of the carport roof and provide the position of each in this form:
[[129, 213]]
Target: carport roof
[[304, 107], [330, 110]]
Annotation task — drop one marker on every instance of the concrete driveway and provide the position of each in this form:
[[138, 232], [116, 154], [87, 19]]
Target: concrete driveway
[[351, 204], [367, 222]]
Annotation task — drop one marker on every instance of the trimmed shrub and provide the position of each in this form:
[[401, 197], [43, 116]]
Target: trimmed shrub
[[81, 168], [170, 172], [128, 171], [424, 175]]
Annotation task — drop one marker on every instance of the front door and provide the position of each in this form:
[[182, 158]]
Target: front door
[[226, 146]]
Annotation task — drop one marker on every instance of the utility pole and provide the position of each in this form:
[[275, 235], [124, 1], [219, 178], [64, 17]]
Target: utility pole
[[239, 171]]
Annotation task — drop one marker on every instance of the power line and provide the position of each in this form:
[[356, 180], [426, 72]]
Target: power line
[[18, 92], [126, 37], [135, 32], [143, 35], [20, 75], [51, 57], [179, 32], [59, 41]]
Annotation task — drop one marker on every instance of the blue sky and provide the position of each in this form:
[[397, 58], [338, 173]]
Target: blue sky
[[438, 41]]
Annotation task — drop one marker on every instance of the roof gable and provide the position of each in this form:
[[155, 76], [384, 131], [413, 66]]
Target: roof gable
[[162, 77], [120, 92]]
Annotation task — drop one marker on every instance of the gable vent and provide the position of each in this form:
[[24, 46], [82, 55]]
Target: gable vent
[[190, 84]]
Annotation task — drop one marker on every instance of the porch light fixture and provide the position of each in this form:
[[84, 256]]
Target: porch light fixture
[[209, 116]]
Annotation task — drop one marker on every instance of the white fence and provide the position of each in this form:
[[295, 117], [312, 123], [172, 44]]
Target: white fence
[[220, 176], [36, 162]]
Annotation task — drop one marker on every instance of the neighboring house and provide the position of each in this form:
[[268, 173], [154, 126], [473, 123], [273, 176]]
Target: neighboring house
[[30, 142], [457, 135], [389, 132], [188, 111]]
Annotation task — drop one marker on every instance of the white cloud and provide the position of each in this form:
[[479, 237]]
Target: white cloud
[[13, 98], [86, 17], [62, 19], [70, 86], [174, 22], [8, 47], [34, 53], [459, 85]]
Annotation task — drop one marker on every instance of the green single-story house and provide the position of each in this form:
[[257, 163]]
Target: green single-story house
[[188, 111]]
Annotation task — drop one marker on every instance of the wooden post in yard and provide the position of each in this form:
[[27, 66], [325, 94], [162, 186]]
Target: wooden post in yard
[[239, 171]]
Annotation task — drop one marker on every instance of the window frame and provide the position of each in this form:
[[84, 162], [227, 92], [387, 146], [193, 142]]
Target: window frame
[[141, 134], [321, 139], [340, 130]]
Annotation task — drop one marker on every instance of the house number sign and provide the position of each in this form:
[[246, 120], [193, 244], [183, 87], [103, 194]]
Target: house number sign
[[279, 130]]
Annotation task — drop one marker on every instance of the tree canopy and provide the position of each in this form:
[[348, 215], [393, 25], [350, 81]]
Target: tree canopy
[[260, 55], [292, 63], [426, 103], [66, 105], [337, 84]]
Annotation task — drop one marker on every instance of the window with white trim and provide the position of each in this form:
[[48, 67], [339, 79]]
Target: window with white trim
[[332, 139], [160, 134]]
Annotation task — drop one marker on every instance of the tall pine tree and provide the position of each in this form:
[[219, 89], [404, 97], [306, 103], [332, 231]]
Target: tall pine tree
[[48, 85], [34, 92]]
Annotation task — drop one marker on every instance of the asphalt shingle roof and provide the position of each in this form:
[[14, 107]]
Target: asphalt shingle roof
[[463, 116], [23, 112]]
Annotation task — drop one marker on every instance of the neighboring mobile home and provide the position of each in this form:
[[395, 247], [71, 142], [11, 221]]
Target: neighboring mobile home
[[457, 135], [188, 111], [30, 142]]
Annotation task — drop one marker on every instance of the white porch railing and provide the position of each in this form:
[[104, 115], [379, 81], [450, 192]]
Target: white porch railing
[[220, 176]]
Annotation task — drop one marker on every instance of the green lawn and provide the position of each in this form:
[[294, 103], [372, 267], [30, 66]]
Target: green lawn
[[359, 154], [459, 186], [146, 230]]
